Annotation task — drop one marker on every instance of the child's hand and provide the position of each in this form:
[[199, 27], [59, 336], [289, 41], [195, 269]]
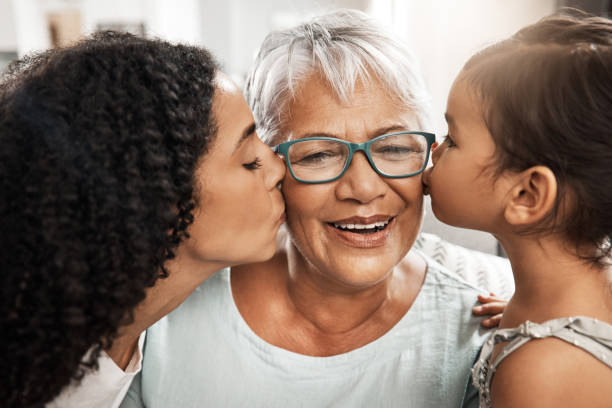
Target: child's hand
[[492, 306]]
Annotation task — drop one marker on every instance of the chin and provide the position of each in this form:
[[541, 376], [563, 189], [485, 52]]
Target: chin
[[439, 214], [362, 277], [265, 253], [362, 282]]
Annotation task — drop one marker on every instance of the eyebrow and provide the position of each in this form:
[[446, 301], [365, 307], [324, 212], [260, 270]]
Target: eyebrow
[[371, 135], [248, 131]]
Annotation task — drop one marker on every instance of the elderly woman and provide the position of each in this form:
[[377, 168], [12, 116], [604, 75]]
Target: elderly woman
[[345, 314]]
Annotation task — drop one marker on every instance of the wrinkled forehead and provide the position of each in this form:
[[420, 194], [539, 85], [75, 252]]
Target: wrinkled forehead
[[367, 108]]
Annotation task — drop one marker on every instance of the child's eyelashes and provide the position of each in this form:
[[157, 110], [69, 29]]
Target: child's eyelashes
[[449, 141], [254, 165]]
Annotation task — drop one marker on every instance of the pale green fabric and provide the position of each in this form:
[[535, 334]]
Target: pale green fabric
[[204, 355]]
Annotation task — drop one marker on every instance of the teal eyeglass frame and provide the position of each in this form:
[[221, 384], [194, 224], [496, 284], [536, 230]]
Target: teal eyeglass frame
[[283, 149]]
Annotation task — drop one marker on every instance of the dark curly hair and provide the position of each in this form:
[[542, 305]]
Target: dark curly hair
[[547, 92], [98, 147]]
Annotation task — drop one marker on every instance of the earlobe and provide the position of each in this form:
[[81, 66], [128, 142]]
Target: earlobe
[[532, 197]]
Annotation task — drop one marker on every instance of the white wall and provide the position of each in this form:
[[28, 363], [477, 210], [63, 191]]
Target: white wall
[[94, 12], [445, 33], [234, 29], [8, 37], [172, 20], [177, 21], [24, 28], [31, 31]]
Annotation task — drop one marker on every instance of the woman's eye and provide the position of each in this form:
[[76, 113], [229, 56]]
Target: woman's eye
[[449, 141], [254, 165], [316, 157], [399, 150]]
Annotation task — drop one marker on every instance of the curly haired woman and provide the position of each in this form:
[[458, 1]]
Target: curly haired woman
[[123, 160]]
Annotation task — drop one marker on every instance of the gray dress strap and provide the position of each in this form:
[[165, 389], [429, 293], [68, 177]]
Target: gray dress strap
[[592, 335]]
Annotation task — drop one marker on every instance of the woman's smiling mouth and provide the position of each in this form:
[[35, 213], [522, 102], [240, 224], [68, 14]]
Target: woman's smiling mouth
[[359, 232]]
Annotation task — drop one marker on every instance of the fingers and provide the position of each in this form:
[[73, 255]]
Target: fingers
[[489, 308], [492, 321], [492, 297], [492, 306]]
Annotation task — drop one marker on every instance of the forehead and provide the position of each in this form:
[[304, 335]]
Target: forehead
[[464, 104], [229, 106], [231, 114], [316, 108]]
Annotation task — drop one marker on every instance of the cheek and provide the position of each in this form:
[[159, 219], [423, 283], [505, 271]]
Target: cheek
[[233, 224], [220, 211], [235, 203], [307, 207], [303, 201], [441, 177], [460, 195], [409, 190], [447, 191]]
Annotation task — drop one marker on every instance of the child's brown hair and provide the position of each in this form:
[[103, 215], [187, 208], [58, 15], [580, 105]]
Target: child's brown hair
[[547, 97]]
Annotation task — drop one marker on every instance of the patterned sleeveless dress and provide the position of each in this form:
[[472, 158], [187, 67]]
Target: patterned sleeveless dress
[[591, 335]]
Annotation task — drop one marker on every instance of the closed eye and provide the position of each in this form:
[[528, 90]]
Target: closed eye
[[254, 165], [449, 141]]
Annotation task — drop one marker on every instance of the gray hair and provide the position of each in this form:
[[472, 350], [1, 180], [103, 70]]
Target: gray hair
[[343, 46]]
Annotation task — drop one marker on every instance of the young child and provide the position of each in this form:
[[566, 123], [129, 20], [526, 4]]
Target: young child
[[528, 158]]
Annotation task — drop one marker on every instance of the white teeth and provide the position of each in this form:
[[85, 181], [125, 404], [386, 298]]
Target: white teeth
[[380, 224]]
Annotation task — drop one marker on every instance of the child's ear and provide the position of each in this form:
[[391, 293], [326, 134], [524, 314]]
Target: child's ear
[[532, 197]]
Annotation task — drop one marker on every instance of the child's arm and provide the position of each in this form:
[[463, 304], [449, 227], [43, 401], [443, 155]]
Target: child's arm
[[490, 305]]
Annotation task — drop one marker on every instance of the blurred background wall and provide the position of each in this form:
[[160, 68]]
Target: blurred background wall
[[442, 34]]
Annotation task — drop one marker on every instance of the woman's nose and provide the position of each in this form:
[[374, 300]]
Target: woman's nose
[[360, 182]]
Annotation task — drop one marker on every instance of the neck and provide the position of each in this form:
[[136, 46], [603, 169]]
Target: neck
[[552, 281], [189, 270]]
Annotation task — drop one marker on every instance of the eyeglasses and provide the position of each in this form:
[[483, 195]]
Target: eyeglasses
[[323, 159]]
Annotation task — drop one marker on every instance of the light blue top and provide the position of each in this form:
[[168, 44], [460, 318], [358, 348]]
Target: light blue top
[[204, 355]]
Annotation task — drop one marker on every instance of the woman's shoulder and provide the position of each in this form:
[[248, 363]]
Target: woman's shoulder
[[550, 372]]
